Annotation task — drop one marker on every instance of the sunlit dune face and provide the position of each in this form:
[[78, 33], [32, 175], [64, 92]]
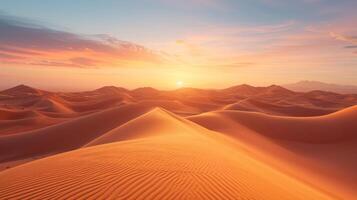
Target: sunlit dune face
[[179, 84]]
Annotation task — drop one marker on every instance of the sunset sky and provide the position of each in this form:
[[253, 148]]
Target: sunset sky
[[82, 44]]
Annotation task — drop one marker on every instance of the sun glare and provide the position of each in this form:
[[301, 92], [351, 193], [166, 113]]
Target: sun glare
[[179, 84]]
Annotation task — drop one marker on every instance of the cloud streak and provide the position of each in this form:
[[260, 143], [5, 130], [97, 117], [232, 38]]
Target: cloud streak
[[22, 42], [351, 39], [351, 47]]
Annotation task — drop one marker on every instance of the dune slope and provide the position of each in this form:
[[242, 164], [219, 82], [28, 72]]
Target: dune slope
[[320, 150], [66, 136], [181, 161]]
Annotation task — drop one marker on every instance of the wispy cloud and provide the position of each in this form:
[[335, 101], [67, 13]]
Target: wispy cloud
[[22, 42], [221, 45], [289, 43], [346, 38], [351, 47]]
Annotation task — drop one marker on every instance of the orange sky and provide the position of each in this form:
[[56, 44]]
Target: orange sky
[[210, 44]]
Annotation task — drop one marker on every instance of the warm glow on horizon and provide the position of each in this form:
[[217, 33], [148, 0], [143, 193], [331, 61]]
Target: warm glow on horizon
[[179, 84]]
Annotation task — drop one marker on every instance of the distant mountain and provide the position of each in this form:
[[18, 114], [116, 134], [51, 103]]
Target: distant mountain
[[306, 86]]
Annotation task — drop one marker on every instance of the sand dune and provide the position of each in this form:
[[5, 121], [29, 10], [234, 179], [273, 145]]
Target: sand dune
[[22, 90], [97, 104], [7, 114], [335, 127], [242, 142], [186, 101], [51, 105], [255, 105], [243, 90], [9, 127], [322, 99], [173, 105], [65, 136], [112, 90], [154, 123], [79, 131], [17, 121], [321, 147], [179, 161]]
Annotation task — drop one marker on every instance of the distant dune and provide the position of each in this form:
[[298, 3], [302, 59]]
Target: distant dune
[[22, 90], [278, 109], [241, 142]]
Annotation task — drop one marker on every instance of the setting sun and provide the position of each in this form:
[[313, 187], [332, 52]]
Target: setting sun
[[179, 84]]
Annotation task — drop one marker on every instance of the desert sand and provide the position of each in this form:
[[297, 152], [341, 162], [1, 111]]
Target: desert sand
[[242, 142]]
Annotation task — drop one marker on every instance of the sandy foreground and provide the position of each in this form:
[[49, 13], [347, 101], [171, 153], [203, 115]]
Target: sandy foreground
[[238, 143]]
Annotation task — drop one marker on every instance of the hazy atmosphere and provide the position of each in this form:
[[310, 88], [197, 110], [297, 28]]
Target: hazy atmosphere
[[202, 43]]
